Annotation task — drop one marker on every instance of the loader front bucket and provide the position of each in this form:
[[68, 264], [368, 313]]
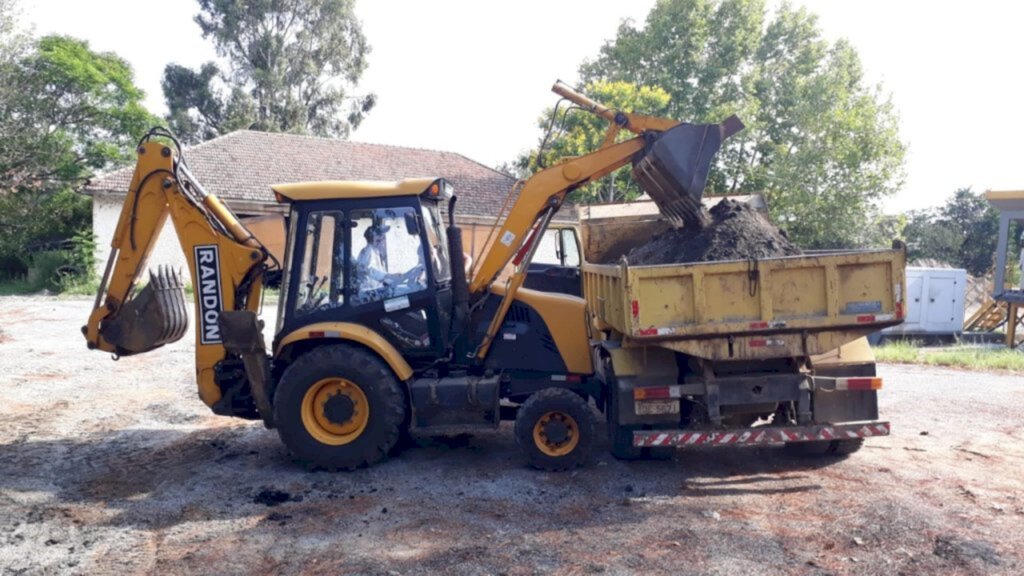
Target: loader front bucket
[[673, 169], [154, 317]]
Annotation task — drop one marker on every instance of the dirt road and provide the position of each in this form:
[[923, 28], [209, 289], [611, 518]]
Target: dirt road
[[118, 467]]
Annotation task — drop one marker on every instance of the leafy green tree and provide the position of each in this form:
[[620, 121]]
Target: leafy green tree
[[928, 239], [820, 144], [964, 232], [66, 112], [292, 65]]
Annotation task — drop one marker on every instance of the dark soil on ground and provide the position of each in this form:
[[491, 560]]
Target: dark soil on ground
[[735, 231]]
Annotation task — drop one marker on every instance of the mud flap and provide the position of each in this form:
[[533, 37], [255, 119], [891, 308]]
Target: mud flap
[[242, 332], [154, 317], [673, 168]]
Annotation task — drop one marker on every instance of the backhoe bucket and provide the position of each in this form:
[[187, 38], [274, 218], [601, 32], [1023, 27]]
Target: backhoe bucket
[[674, 168], [154, 317]]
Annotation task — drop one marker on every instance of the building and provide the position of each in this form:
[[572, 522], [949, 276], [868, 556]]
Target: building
[[241, 167]]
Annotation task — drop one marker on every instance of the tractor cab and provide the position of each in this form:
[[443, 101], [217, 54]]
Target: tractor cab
[[368, 256]]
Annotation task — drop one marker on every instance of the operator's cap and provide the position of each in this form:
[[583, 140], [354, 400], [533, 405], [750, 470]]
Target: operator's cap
[[376, 229]]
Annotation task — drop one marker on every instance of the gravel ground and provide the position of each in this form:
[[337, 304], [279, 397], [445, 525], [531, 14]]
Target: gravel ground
[[119, 468]]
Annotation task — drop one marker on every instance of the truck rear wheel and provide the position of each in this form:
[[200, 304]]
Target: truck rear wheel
[[339, 407], [555, 429], [620, 438]]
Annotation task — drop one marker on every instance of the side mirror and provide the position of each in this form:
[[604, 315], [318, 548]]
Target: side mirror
[[412, 224]]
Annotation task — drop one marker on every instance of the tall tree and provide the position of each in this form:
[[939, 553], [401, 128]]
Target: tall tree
[[964, 232], [292, 66], [820, 143], [66, 112]]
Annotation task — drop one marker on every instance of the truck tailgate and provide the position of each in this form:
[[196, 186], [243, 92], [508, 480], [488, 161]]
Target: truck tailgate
[[776, 307]]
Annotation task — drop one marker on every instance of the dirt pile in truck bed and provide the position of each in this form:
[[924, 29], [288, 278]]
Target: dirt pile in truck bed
[[736, 231]]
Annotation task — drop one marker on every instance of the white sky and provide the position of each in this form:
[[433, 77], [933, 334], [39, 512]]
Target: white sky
[[473, 76]]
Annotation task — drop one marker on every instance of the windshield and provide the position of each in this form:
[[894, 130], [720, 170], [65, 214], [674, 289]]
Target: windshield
[[438, 243]]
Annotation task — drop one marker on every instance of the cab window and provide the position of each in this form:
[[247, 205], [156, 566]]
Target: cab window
[[387, 254], [438, 244], [322, 270], [558, 247]]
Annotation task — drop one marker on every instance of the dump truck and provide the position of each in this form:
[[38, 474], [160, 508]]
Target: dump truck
[[753, 351], [382, 327]]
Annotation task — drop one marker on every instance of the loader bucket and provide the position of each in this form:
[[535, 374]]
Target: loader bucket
[[673, 169], [154, 317]]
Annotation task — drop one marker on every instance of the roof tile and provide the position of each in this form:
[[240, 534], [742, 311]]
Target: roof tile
[[243, 165]]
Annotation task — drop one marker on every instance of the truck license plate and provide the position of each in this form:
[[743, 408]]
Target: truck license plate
[[652, 407]]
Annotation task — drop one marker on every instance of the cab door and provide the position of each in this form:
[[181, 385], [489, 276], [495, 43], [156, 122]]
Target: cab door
[[397, 293]]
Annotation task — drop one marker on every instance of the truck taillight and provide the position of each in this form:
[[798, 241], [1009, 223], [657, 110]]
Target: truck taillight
[[859, 384], [656, 393]]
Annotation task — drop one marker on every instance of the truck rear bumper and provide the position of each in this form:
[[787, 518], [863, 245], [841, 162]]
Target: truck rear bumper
[[762, 435]]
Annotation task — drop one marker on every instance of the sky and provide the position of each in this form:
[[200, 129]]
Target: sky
[[473, 77]]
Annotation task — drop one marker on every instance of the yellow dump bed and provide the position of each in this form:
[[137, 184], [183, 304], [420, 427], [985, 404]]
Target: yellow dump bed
[[737, 310]]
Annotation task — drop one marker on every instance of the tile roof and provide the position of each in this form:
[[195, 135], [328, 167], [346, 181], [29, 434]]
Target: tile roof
[[243, 165]]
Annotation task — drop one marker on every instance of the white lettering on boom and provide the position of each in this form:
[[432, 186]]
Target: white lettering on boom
[[208, 295]]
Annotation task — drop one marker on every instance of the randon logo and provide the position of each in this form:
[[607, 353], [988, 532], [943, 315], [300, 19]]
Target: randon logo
[[208, 293]]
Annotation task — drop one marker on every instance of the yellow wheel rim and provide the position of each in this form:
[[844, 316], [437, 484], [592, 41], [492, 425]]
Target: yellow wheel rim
[[553, 447], [315, 411]]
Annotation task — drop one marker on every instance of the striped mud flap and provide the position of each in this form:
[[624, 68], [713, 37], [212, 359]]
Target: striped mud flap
[[762, 435]]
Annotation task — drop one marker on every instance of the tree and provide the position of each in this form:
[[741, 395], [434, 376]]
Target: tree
[[964, 232], [928, 239], [820, 144], [292, 65], [66, 112]]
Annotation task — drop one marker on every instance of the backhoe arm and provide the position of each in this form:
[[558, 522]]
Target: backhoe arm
[[670, 161], [225, 261], [546, 190]]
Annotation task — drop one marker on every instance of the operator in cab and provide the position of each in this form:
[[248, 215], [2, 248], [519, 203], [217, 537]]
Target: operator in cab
[[374, 278]]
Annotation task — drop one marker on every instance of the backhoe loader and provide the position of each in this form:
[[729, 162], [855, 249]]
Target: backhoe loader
[[380, 327]]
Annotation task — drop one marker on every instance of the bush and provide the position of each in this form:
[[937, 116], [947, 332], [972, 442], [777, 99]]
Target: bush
[[47, 270], [66, 270]]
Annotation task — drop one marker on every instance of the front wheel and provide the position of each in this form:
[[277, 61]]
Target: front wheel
[[555, 429], [339, 407]]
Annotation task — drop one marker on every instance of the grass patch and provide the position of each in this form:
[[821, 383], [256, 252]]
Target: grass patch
[[16, 287], [976, 358], [969, 357], [899, 351]]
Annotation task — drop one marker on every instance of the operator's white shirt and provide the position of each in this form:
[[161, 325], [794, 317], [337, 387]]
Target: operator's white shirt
[[371, 267]]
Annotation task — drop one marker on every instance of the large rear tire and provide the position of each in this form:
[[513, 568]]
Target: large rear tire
[[339, 407], [555, 429]]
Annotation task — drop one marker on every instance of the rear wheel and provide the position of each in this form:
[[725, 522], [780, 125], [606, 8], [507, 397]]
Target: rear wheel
[[620, 438], [555, 429], [339, 407]]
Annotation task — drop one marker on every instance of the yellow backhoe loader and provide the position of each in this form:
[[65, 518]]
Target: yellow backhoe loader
[[379, 329]]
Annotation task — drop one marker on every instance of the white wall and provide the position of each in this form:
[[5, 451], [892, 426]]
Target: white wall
[[105, 212]]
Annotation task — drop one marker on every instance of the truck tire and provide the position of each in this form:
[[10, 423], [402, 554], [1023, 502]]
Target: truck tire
[[620, 438], [555, 429], [823, 448], [339, 407]]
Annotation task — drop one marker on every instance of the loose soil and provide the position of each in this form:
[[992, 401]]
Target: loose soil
[[118, 468], [735, 231]]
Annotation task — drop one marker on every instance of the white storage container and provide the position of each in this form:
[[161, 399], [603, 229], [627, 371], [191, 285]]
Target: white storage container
[[935, 303]]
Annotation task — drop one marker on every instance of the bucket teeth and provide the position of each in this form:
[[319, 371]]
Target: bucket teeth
[[154, 317]]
